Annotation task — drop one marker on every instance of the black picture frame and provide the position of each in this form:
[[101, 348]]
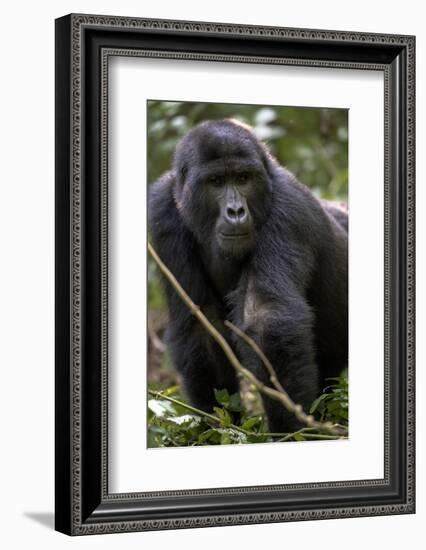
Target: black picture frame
[[83, 504]]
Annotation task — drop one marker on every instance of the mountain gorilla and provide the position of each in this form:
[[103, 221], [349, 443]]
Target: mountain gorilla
[[250, 244]]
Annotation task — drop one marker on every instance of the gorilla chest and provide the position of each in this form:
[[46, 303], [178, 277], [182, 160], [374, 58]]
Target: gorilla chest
[[224, 276]]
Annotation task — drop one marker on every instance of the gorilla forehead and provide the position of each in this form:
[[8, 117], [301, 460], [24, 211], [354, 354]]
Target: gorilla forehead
[[219, 139], [224, 139]]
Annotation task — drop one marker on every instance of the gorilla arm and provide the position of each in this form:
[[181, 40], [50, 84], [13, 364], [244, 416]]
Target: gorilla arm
[[195, 355], [282, 326]]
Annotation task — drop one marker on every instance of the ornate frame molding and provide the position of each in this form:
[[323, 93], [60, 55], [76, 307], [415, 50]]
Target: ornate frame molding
[[73, 59]]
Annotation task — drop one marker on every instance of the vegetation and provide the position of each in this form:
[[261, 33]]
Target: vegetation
[[174, 423]]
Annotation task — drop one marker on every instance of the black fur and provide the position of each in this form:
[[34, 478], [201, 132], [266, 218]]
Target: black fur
[[285, 284]]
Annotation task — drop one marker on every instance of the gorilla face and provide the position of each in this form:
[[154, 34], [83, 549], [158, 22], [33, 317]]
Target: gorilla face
[[222, 186], [234, 228]]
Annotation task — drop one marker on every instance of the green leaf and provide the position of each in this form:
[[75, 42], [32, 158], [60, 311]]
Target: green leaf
[[161, 408], [188, 420], [235, 404], [224, 416], [255, 438], [212, 436], [251, 422], [222, 397], [317, 402], [226, 438], [171, 390]]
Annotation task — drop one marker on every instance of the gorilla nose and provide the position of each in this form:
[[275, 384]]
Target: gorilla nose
[[236, 214]]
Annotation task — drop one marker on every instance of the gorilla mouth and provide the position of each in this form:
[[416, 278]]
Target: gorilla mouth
[[235, 235]]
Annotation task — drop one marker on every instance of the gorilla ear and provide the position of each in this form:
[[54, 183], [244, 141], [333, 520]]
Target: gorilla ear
[[180, 165], [176, 187], [182, 172]]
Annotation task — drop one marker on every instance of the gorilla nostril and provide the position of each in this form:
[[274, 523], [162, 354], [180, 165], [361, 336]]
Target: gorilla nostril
[[231, 213], [235, 214], [241, 212]]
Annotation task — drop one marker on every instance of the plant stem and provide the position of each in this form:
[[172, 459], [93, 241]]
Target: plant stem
[[272, 374], [160, 395], [306, 432]]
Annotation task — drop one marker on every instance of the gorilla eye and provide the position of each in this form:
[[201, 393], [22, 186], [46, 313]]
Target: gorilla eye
[[215, 180], [242, 178]]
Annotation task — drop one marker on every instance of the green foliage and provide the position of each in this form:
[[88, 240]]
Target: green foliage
[[229, 402], [171, 425], [177, 424], [333, 403]]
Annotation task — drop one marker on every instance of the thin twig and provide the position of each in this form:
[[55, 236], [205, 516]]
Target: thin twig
[[273, 393], [307, 432], [160, 395], [272, 374], [304, 431], [313, 436]]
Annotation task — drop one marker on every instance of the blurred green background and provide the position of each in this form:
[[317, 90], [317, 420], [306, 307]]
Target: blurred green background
[[311, 142]]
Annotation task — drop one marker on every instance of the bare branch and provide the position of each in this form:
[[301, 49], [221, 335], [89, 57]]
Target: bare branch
[[272, 374]]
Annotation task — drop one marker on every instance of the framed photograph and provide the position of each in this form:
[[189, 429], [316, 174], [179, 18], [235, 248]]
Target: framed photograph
[[234, 274]]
